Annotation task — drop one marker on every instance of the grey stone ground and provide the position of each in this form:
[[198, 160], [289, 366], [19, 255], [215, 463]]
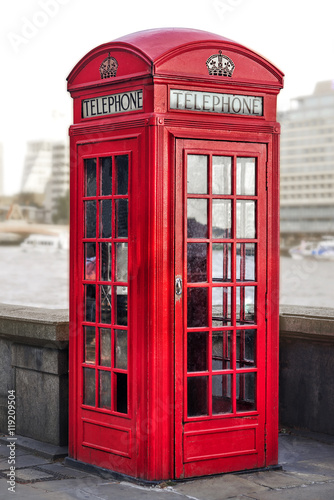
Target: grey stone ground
[[308, 474]]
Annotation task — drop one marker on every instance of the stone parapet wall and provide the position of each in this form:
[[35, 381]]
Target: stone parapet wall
[[306, 370], [34, 363]]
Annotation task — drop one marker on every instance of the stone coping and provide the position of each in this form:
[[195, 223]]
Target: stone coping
[[35, 326], [39, 326], [312, 323]]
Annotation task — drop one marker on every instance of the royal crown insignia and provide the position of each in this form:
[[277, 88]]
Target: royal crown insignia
[[221, 65], [108, 67]]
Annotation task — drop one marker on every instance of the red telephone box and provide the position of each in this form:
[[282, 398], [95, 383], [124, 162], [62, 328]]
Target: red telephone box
[[174, 256]]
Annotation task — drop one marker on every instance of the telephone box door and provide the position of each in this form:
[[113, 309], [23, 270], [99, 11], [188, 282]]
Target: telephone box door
[[106, 403], [220, 292]]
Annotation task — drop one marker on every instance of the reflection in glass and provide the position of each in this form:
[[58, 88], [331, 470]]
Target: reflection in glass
[[122, 174], [246, 259], [105, 304], [89, 387], [197, 221], [221, 262], [246, 348], [221, 306], [90, 261], [221, 174], [90, 176], [121, 207], [105, 347], [245, 219], [221, 394], [121, 262], [89, 336], [121, 349], [221, 350], [246, 392], [104, 389], [197, 351], [89, 292], [105, 219], [197, 307], [245, 307], [197, 262], [121, 299], [121, 392], [90, 219], [197, 174], [105, 261], [106, 176], [221, 219], [197, 396], [246, 176]]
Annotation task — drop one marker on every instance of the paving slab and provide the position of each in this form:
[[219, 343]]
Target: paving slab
[[312, 492], [24, 461], [275, 479], [219, 488]]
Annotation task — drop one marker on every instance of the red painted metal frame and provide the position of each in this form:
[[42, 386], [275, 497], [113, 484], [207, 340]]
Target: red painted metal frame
[[157, 61]]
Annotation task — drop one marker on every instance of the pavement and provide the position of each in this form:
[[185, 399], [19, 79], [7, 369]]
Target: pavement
[[307, 473]]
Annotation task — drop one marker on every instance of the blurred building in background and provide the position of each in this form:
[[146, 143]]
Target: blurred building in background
[[45, 179], [307, 166]]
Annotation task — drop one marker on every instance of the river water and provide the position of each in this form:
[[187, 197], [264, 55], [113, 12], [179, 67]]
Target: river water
[[40, 279]]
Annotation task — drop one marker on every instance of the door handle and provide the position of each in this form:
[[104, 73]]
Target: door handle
[[178, 286]]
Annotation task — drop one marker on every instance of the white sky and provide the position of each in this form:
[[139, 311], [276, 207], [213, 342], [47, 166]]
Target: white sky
[[43, 39]]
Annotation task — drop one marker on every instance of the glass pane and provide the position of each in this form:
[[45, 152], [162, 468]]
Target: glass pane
[[89, 291], [105, 347], [121, 349], [197, 219], [89, 387], [221, 306], [89, 336], [197, 305], [105, 219], [121, 305], [221, 219], [90, 260], [221, 174], [121, 262], [197, 352], [221, 350], [246, 259], [121, 207], [246, 348], [90, 219], [106, 176], [221, 262], [104, 389], [246, 176], [105, 304], [246, 392], [221, 394], [197, 396], [121, 392], [197, 262], [90, 176], [105, 261], [197, 174], [245, 305], [122, 168], [245, 219]]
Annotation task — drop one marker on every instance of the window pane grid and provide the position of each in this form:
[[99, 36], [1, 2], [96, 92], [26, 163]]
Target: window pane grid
[[105, 312], [228, 282]]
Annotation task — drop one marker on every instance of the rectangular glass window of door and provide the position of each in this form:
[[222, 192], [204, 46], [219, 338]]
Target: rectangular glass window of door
[[221, 295], [105, 282]]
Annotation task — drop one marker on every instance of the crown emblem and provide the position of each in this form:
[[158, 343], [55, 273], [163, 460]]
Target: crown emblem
[[221, 65], [108, 67]]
